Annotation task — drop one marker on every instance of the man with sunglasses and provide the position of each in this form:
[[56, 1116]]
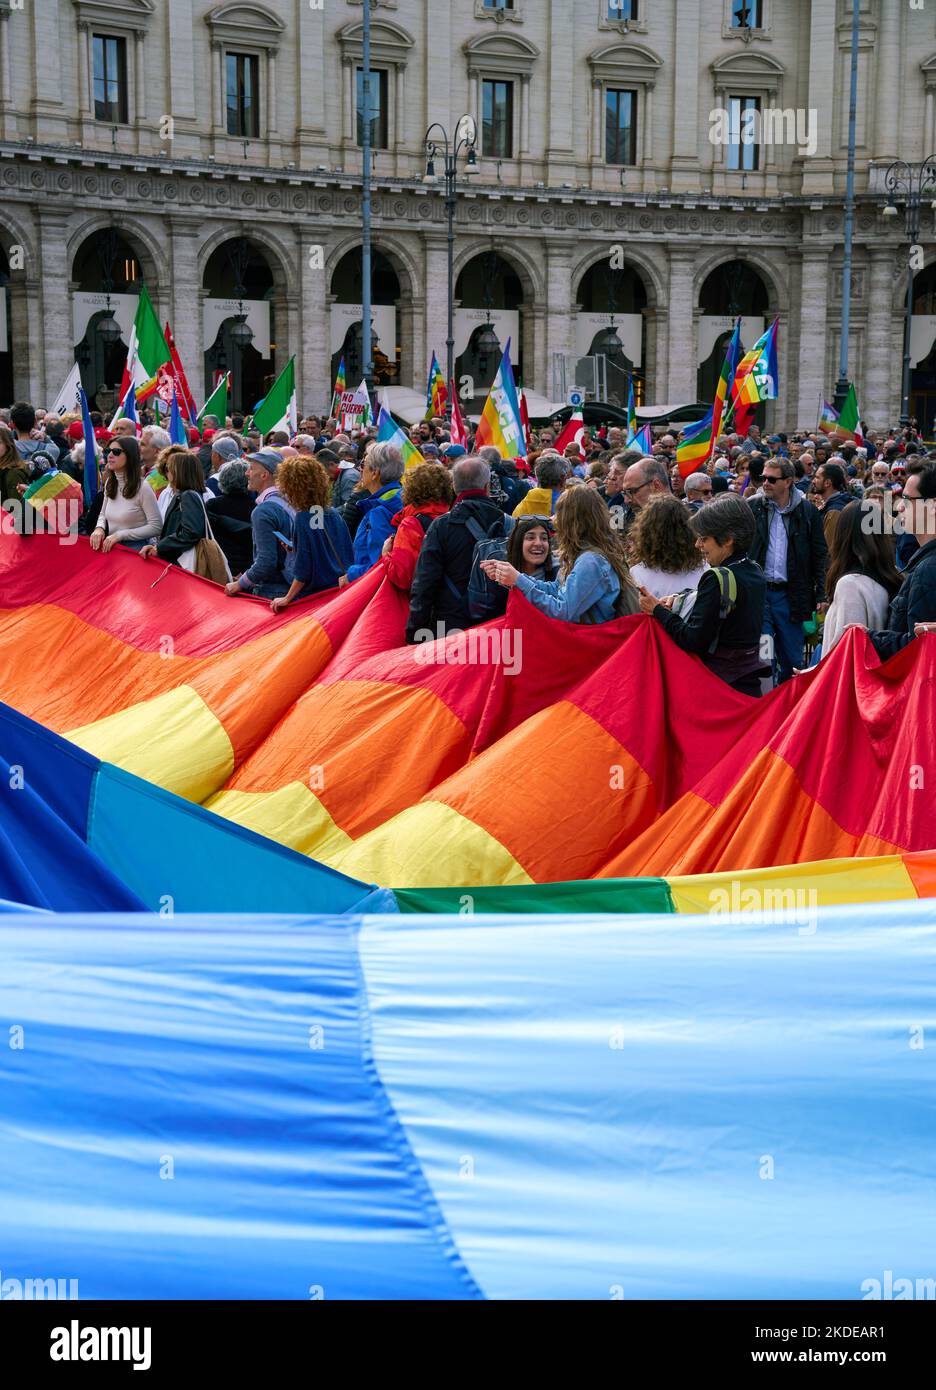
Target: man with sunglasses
[[789, 545]]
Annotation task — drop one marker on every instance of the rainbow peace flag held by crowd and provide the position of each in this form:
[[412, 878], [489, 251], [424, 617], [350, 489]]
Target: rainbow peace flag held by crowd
[[698, 442], [501, 423], [341, 384], [364, 924], [53, 490], [389, 432]]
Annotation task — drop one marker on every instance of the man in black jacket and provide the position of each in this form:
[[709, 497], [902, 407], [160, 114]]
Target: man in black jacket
[[439, 596], [913, 610], [789, 545]]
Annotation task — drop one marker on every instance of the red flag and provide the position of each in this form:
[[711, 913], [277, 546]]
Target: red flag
[[457, 429], [525, 421], [743, 418], [178, 372], [572, 433]]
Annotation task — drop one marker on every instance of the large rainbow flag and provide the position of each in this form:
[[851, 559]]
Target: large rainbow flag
[[428, 769]]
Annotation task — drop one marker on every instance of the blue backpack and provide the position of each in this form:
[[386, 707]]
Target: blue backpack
[[485, 598]]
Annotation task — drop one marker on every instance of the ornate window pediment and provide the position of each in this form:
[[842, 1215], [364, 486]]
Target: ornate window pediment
[[245, 26], [504, 54], [928, 69], [625, 65], [391, 45], [748, 72], [110, 15]]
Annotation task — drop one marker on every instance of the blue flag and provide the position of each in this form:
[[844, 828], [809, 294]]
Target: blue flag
[[176, 428], [90, 451]]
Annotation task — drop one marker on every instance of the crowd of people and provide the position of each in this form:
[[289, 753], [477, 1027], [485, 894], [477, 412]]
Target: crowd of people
[[772, 542]]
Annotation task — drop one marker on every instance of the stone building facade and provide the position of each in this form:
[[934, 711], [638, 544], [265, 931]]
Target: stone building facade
[[184, 125]]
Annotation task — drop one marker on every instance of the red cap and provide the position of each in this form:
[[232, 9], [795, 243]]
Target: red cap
[[193, 436], [75, 430], [209, 434], [102, 435]]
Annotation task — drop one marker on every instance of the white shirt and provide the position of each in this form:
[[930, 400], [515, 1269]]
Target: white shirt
[[131, 518], [662, 583], [858, 599]]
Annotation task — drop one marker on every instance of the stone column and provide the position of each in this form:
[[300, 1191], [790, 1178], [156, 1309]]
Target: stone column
[[822, 49], [29, 379], [185, 315], [57, 347], [313, 358], [682, 365], [812, 316], [560, 318], [687, 132], [430, 335], [885, 137], [877, 401], [562, 77], [311, 86]]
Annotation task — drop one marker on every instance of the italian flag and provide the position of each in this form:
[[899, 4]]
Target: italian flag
[[278, 410], [216, 404], [148, 351], [848, 422]]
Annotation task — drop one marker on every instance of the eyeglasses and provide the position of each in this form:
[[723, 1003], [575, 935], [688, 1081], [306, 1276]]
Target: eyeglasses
[[778, 479], [633, 491], [113, 453]]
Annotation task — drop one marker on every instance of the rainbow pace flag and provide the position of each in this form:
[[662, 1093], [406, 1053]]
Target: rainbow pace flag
[[436, 394], [389, 432], [501, 424], [53, 492], [157, 481], [341, 385], [698, 442], [148, 350], [631, 413], [849, 422], [757, 375], [828, 418]]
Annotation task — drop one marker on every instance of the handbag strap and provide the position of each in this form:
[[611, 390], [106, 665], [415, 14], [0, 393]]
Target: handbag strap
[[209, 534]]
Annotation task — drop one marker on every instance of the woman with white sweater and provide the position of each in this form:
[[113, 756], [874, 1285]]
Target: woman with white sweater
[[861, 577], [129, 514]]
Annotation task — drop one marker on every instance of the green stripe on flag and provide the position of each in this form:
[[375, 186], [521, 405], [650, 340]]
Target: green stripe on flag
[[626, 895]]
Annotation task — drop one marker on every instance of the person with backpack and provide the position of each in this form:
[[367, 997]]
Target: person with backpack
[[427, 493], [594, 583], [528, 547], [723, 625], [439, 595], [507, 487]]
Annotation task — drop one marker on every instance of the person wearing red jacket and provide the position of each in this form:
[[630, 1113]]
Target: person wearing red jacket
[[427, 493]]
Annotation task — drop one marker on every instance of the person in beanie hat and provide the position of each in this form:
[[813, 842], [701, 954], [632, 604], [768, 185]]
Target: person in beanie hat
[[226, 450], [272, 525]]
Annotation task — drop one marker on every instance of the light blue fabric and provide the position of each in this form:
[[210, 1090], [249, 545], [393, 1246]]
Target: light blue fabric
[[587, 594], [668, 1107]]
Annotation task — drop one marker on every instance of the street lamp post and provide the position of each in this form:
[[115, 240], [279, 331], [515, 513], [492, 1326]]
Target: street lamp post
[[439, 145], [909, 184]]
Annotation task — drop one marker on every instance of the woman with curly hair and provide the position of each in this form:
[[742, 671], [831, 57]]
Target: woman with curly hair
[[594, 583], [321, 548], [427, 493], [663, 548]]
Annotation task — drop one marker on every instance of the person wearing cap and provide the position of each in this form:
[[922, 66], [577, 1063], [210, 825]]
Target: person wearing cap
[[223, 450], [451, 452], [271, 523]]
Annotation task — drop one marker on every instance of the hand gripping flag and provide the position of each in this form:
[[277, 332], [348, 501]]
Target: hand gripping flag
[[389, 432], [698, 442], [500, 420]]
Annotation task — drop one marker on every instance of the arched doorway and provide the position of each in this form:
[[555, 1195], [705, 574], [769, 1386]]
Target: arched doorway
[[611, 322], [347, 325], [106, 279], [923, 351], [488, 311], [239, 321], [733, 288]]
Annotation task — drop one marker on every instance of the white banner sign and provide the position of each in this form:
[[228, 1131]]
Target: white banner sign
[[383, 318], [922, 337], [215, 311], [712, 326], [470, 321], [629, 329], [85, 305]]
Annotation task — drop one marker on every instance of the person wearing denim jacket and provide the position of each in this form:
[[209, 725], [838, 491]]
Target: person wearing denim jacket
[[266, 576], [594, 585]]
